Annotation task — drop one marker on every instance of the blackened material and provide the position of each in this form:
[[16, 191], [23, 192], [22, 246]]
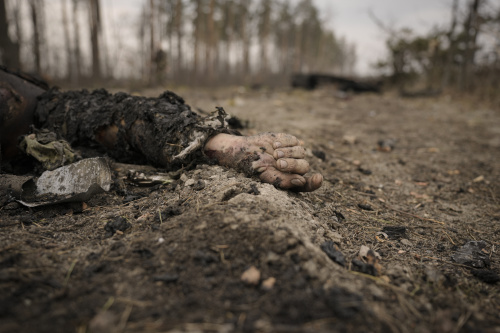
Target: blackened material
[[17, 103], [333, 252], [129, 128], [394, 232]]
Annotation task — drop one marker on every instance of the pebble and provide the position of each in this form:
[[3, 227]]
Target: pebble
[[406, 242], [189, 182], [251, 276], [271, 256], [268, 283]]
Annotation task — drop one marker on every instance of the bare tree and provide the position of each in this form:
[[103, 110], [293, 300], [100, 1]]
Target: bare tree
[[152, 42], [69, 62], [179, 19], [9, 49], [95, 30], [264, 33], [210, 43], [451, 45], [36, 34], [76, 41], [471, 29]]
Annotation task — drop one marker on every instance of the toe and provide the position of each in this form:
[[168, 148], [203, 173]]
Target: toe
[[290, 152], [292, 165]]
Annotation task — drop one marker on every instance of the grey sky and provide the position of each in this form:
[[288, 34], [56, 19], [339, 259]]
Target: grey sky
[[350, 18]]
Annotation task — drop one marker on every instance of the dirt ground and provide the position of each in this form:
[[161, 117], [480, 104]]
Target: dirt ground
[[413, 180]]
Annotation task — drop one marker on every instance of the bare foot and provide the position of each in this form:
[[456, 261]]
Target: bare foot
[[277, 159]]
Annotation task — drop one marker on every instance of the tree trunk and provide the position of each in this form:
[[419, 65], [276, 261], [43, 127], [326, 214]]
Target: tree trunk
[[76, 40], [451, 47], [245, 39], [178, 27], [197, 37], [229, 37], [95, 28], [152, 44], [210, 43], [264, 36], [9, 50], [471, 28], [36, 35], [69, 62]]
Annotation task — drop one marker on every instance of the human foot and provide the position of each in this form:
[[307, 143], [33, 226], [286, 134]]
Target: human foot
[[277, 159]]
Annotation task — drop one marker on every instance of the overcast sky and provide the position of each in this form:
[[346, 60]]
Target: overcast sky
[[351, 19]]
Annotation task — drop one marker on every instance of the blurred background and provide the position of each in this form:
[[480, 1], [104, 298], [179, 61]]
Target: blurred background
[[424, 45]]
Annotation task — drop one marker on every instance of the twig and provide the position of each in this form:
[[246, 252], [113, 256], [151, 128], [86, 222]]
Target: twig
[[68, 275], [124, 318], [451, 240], [416, 216], [108, 303]]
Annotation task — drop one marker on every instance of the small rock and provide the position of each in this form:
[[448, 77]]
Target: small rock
[[199, 185], [319, 154], [364, 250], [271, 256], [349, 139], [365, 171], [406, 242], [268, 283], [433, 275], [103, 322], [251, 276], [471, 254], [118, 224], [478, 179], [183, 177], [386, 145], [189, 182], [394, 232], [365, 207]]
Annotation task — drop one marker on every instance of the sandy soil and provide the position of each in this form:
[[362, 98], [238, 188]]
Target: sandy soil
[[413, 180]]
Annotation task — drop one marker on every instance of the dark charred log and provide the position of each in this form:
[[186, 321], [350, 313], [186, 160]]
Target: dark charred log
[[312, 81]]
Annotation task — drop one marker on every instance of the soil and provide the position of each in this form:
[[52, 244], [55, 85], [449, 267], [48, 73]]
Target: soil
[[408, 182]]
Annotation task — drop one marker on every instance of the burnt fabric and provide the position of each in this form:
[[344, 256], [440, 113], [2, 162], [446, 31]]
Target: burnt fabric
[[163, 131]]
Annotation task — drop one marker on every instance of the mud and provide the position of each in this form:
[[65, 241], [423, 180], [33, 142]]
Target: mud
[[170, 258]]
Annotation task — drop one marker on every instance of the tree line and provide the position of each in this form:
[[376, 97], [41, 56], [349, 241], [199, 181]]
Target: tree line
[[463, 56], [178, 41]]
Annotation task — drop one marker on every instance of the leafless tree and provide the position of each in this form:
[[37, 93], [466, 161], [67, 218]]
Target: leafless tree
[[9, 49]]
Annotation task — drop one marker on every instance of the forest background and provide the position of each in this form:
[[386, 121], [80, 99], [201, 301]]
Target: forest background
[[243, 42]]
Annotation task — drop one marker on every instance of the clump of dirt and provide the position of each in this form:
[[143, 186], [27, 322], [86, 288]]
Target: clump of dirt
[[179, 265]]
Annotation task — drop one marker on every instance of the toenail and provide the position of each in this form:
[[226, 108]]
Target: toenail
[[277, 144], [297, 182], [280, 154], [283, 164]]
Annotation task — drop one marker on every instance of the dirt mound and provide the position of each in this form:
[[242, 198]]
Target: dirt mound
[[369, 251]]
